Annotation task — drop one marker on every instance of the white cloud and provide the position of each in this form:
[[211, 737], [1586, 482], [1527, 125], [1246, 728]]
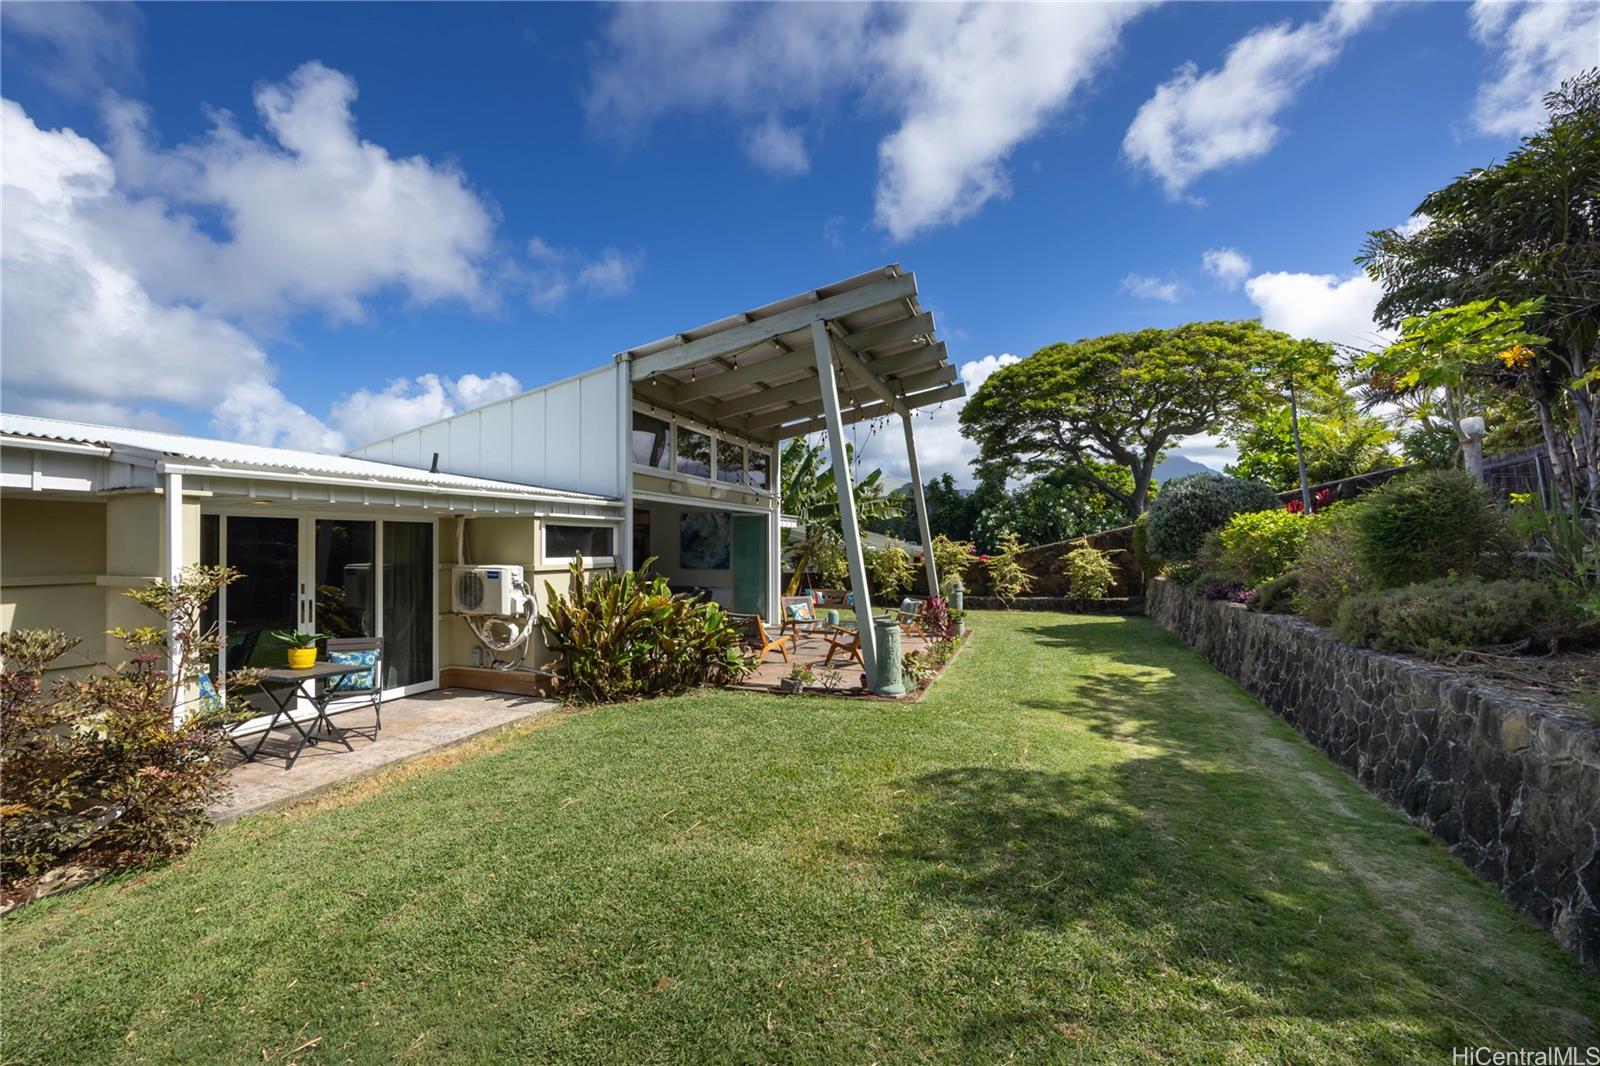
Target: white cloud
[[965, 83], [1320, 306], [314, 217], [136, 281], [75, 48], [1148, 288], [940, 446], [775, 147], [1413, 225], [557, 273], [1228, 265], [1196, 123], [833, 232], [977, 80], [365, 416], [1533, 46]]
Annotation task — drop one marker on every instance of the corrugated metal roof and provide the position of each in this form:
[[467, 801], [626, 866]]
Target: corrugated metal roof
[[233, 456]]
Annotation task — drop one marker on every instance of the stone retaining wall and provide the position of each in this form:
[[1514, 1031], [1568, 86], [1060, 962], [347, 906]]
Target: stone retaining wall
[[1510, 783]]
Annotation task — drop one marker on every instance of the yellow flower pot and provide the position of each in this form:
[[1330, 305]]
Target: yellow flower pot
[[302, 658]]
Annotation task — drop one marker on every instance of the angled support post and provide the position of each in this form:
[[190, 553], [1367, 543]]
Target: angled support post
[[623, 548], [922, 507], [822, 342]]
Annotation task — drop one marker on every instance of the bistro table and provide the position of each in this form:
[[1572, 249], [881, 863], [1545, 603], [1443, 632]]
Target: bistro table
[[303, 683]]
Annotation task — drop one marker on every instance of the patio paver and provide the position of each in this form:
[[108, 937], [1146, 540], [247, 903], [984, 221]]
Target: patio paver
[[412, 726]]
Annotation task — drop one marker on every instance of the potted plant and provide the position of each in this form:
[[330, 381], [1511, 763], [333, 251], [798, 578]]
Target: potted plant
[[302, 647], [798, 678]]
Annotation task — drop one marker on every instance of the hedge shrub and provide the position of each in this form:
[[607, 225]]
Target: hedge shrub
[[1327, 564], [1187, 508], [1261, 545], [1444, 616], [1428, 525]]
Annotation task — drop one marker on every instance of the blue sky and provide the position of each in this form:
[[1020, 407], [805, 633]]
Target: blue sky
[[414, 208]]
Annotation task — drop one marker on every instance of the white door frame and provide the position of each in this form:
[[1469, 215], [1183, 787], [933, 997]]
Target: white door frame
[[305, 600]]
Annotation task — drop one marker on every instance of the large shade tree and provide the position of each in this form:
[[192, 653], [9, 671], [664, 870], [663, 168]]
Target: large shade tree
[[1527, 228], [1125, 398]]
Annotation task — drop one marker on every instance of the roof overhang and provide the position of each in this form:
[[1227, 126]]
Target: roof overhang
[[755, 374]]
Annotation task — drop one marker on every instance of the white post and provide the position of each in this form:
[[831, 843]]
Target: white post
[[822, 341], [173, 551], [624, 546], [775, 533], [922, 508]]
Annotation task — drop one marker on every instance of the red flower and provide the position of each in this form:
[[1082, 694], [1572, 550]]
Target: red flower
[[1294, 507]]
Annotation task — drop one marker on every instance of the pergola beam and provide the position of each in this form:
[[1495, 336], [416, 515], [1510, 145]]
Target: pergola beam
[[871, 410], [739, 338], [852, 361], [916, 382], [806, 388]]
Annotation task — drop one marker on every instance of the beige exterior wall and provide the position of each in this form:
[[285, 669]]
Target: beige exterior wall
[[52, 563], [66, 564], [513, 541]]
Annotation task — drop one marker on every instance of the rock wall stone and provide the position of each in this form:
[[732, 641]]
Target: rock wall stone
[[1510, 783]]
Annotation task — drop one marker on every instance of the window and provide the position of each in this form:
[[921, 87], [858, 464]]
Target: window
[[757, 470], [649, 441], [694, 452], [730, 462], [564, 542]]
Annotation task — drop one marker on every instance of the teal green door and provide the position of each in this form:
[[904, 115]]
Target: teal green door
[[749, 564]]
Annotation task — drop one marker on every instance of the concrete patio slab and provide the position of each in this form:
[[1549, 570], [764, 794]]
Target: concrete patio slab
[[412, 726]]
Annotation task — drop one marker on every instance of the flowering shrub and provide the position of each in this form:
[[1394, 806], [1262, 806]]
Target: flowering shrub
[[1322, 499]]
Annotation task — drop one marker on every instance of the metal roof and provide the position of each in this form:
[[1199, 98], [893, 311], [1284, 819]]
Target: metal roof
[[231, 457], [755, 373]]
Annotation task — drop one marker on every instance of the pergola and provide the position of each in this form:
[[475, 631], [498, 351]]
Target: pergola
[[858, 349]]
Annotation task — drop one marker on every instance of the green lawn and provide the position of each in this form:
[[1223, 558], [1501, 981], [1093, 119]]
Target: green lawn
[[1083, 845]]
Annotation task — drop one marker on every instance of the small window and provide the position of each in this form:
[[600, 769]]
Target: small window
[[730, 462], [694, 452], [564, 542], [649, 441], [756, 471]]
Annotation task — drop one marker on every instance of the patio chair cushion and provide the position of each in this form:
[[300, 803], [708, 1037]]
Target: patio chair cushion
[[210, 702], [800, 612], [354, 682]]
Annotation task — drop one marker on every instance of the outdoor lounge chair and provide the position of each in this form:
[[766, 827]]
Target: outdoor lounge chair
[[766, 643], [909, 615], [368, 683], [798, 613], [843, 639]]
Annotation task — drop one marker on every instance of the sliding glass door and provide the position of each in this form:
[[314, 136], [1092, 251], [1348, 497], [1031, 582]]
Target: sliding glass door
[[408, 612], [339, 576], [346, 595]]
